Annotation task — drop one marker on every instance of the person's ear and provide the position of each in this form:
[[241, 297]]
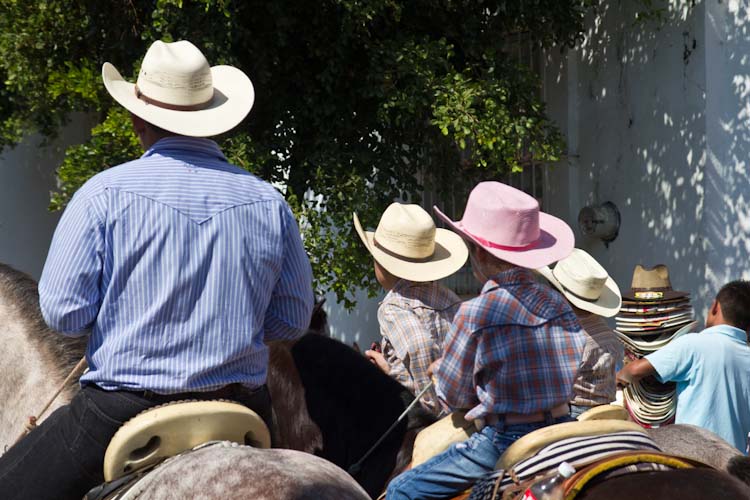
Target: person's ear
[[715, 308]]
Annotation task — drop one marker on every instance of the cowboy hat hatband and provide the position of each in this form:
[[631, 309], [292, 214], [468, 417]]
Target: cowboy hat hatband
[[176, 90], [651, 284], [507, 223], [585, 283], [407, 244]]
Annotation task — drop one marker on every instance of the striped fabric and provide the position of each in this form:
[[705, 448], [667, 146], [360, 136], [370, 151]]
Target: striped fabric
[[577, 451], [595, 384], [181, 265], [515, 348], [414, 318]]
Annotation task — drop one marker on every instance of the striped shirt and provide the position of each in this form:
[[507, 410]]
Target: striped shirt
[[595, 384], [181, 265], [414, 318], [515, 348]]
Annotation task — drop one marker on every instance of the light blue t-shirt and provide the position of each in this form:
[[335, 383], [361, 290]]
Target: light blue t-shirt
[[712, 371]]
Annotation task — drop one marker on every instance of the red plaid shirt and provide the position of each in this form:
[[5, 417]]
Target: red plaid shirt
[[515, 348]]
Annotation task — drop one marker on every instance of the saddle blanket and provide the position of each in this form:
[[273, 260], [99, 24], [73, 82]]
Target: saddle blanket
[[577, 451]]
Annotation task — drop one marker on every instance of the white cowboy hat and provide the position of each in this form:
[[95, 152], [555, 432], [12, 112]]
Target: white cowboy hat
[[177, 90], [585, 283], [409, 246]]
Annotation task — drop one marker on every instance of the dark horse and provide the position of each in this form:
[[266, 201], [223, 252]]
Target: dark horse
[[350, 402]]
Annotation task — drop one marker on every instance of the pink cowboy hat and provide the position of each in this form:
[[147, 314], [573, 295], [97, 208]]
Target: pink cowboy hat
[[508, 224]]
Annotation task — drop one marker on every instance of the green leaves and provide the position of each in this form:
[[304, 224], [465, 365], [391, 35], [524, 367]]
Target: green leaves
[[358, 102]]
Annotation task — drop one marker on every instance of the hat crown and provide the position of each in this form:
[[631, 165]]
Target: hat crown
[[656, 278], [502, 215], [581, 274], [176, 74], [407, 231]]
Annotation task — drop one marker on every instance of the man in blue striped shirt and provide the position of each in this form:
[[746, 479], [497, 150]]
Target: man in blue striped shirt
[[179, 265]]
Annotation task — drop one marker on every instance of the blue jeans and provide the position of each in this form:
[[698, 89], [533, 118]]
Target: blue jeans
[[460, 466]]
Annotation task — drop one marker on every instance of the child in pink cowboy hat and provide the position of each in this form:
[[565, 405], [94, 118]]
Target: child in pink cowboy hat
[[512, 353]]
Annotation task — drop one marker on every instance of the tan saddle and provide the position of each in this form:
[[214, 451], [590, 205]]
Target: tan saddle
[[454, 428], [170, 429]]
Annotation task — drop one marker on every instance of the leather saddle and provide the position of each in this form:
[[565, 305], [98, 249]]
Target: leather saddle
[[171, 429], [454, 428]]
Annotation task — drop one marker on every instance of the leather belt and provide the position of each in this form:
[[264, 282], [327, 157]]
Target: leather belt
[[523, 418], [230, 391]]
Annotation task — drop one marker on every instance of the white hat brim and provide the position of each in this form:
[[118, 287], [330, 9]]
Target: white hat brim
[[607, 305], [233, 98], [449, 256]]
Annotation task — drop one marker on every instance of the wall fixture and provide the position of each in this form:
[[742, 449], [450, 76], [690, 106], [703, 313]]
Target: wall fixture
[[600, 221]]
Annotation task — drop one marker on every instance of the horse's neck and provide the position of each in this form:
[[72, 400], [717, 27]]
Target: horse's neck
[[31, 373]]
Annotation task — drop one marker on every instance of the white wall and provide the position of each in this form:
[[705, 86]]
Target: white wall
[[655, 124], [27, 175]]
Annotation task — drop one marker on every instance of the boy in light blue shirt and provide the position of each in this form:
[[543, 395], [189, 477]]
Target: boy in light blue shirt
[[710, 368]]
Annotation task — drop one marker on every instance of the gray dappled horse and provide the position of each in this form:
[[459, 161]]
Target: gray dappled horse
[[35, 361]]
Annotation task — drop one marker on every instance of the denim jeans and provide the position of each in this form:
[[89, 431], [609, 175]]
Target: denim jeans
[[577, 410], [461, 465], [63, 458]]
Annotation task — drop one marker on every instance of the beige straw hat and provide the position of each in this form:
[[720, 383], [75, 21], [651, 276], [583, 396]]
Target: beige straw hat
[[408, 245], [585, 283], [178, 91]]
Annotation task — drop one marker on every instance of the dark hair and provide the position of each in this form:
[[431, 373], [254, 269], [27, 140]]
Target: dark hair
[[734, 298]]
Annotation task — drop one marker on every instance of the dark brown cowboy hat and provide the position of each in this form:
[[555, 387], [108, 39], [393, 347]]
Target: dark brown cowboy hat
[[652, 285]]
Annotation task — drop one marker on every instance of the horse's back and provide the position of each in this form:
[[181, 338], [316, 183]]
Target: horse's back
[[683, 484], [226, 471]]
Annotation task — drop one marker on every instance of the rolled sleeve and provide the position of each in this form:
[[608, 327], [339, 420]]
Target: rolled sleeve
[[455, 373], [288, 313], [673, 362], [69, 293]]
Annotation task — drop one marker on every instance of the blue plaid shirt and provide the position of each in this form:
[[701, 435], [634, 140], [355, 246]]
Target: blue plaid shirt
[[181, 265], [515, 348]]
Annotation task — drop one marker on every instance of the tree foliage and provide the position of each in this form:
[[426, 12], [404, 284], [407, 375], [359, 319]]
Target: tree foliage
[[358, 102]]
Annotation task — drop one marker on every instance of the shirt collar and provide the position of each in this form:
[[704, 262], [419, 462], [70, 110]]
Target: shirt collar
[[514, 276], [729, 331], [183, 144]]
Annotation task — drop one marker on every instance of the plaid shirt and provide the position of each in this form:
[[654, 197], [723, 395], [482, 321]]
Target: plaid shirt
[[515, 348], [595, 384], [414, 318]]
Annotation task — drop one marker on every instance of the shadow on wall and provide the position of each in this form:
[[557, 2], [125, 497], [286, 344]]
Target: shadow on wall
[[727, 212], [642, 131]]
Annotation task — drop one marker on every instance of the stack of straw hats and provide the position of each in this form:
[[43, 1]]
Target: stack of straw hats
[[651, 316]]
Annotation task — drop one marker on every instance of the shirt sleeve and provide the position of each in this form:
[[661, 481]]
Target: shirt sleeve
[[455, 373], [288, 313], [395, 324], [673, 362], [69, 289]]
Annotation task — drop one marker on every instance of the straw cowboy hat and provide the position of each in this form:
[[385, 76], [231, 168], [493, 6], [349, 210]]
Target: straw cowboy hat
[[508, 224], [652, 285], [178, 91], [408, 245], [585, 283]]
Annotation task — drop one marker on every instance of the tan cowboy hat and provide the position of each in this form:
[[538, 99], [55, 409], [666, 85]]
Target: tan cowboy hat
[[408, 245], [585, 283], [178, 91], [652, 285]]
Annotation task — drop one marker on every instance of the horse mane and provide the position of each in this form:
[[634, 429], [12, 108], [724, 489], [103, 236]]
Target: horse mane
[[739, 467], [19, 293], [353, 403], [294, 428]]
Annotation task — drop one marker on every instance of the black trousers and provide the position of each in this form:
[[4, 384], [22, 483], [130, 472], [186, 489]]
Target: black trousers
[[63, 457]]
